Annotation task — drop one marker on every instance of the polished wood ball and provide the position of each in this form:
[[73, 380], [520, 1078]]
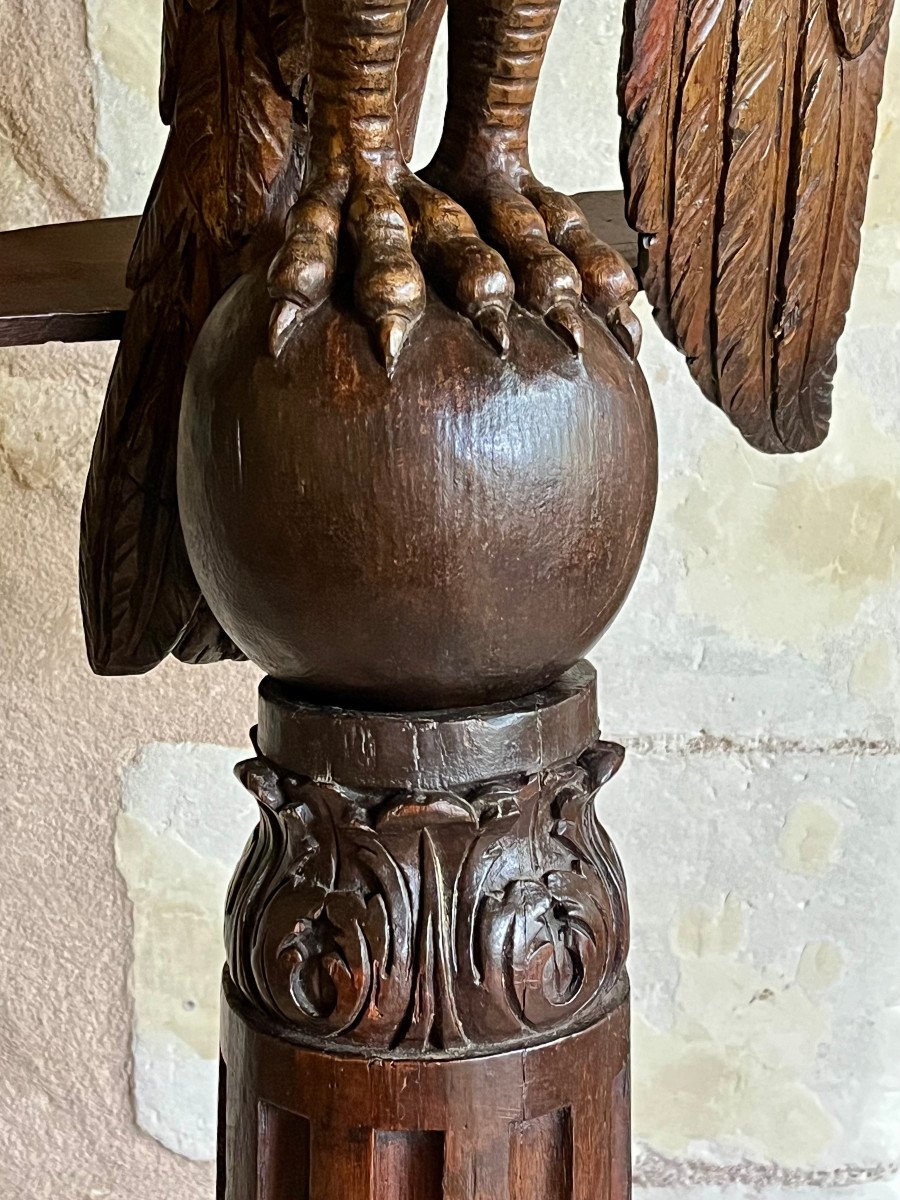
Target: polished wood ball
[[456, 535]]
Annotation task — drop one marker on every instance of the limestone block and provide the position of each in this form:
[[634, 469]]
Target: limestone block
[[769, 602], [766, 1033], [183, 825]]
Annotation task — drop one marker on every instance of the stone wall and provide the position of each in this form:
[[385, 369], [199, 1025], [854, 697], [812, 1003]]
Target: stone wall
[[754, 675]]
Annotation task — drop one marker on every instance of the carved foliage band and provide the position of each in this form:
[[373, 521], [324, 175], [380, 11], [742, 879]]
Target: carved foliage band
[[430, 922]]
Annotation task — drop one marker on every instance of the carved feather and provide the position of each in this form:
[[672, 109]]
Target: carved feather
[[653, 31], [813, 196], [287, 21], [226, 171], [857, 23], [746, 247], [747, 137], [692, 204]]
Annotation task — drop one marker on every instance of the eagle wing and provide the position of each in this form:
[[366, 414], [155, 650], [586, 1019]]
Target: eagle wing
[[748, 128], [231, 72]]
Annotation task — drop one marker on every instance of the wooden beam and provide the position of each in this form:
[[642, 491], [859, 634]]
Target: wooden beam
[[66, 283], [606, 213]]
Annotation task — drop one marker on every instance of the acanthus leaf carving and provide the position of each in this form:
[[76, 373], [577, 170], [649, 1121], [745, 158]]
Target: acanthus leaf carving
[[427, 923]]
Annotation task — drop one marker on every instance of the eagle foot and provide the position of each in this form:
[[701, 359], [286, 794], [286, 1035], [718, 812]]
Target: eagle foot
[[555, 258], [530, 244], [402, 233]]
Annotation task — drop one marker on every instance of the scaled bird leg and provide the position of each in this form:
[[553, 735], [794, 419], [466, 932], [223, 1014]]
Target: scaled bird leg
[[401, 230], [497, 49]]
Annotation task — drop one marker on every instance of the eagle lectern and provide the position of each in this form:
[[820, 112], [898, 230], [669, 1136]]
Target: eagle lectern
[[385, 434]]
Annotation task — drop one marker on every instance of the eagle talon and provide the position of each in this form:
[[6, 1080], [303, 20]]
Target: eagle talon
[[492, 324], [393, 330], [626, 329], [564, 320], [285, 316]]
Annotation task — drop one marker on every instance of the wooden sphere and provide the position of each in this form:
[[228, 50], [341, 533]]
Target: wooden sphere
[[460, 534]]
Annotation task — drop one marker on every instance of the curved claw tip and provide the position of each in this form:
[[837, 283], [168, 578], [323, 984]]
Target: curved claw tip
[[491, 323], [283, 319], [392, 334], [626, 329], [565, 321]]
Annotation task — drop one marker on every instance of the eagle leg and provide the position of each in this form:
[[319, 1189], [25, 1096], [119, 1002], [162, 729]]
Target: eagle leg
[[497, 49], [359, 193]]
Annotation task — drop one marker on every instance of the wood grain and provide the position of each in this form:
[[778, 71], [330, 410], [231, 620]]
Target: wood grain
[[748, 128], [539, 1123], [337, 518], [65, 283]]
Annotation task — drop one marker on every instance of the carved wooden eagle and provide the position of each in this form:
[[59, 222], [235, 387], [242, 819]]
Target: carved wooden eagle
[[748, 131]]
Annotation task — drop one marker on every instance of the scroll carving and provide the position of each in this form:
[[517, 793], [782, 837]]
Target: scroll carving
[[748, 134], [430, 922]]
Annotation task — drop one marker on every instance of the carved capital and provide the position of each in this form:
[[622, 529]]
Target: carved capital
[[434, 921]]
